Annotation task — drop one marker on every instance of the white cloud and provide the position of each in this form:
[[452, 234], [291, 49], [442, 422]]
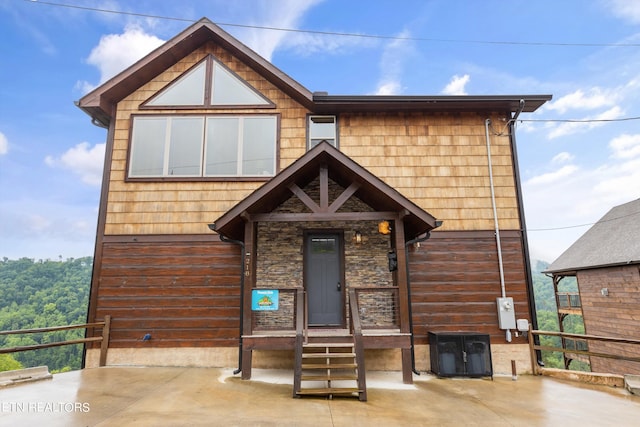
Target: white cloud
[[561, 205], [587, 123], [551, 177], [579, 100], [563, 157], [388, 88], [4, 144], [625, 146], [115, 52], [626, 9], [306, 44], [83, 160], [288, 14], [457, 85], [43, 229], [392, 62]]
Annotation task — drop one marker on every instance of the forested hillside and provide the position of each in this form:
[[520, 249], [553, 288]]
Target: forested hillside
[[548, 316], [37, 294]]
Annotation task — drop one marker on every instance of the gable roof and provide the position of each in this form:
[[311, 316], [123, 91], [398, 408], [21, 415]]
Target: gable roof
[[613, 240], [343, 171], [100, 103]]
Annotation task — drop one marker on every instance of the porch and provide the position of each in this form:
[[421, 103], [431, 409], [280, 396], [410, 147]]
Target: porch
[[325, 260]]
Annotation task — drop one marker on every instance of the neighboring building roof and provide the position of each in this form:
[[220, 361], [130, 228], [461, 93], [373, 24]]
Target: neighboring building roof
[[342, 170], [613, 240], [100, 103]]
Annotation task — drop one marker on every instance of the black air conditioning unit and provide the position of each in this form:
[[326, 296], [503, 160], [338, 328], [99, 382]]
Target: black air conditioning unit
[[460, 354]]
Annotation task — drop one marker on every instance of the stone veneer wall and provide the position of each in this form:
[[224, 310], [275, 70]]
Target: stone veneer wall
[[280, 250]]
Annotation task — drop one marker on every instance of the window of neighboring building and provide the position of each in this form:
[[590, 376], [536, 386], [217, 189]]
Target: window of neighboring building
[[203, 146], [322, 128]]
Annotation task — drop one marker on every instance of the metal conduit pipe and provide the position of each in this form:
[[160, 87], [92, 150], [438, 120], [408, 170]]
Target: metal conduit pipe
[[225, 239], [503, 291]]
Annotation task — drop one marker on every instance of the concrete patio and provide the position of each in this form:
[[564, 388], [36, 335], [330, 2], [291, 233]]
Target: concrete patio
[[136, 396]]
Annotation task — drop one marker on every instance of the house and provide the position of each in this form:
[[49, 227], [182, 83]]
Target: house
[[231, 190], [606, 264]]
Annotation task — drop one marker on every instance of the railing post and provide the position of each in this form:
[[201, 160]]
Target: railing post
[[532, 352], [104, 345]]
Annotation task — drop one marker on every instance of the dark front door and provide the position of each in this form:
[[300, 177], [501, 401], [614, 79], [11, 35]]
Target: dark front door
[[323, 258]]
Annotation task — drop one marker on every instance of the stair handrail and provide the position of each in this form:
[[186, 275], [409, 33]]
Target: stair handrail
[[356, 330], [300, 331]]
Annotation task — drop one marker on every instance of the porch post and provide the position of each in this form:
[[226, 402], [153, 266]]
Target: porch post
[[250, 283], [403, 297]]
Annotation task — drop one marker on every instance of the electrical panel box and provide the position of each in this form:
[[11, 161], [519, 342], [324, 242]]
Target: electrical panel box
[[506, 313]]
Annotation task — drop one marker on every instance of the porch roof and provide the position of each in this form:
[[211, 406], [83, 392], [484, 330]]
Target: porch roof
[[342, 170]]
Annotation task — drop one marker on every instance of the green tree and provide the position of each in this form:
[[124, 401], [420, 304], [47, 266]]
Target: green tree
[[8, 363], [38, 294]]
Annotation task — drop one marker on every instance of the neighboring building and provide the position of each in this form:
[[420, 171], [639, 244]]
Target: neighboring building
[[606, 264], [303, 191]]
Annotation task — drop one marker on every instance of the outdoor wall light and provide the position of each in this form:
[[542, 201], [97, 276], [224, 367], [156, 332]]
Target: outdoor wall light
[[384, 227], [357, 237]]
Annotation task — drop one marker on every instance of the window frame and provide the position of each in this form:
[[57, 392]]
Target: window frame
[[335, 128], [202, 177], [209, 61]]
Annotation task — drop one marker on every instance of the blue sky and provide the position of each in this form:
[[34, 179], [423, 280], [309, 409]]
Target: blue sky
[[585, 53]]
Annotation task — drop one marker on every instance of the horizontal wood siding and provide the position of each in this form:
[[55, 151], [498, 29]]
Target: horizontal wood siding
[[455, 280], [183, 293], [616, 315]]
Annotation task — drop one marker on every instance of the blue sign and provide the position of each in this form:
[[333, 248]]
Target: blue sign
[[264, 299]]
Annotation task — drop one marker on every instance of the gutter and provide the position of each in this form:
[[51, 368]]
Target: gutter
[[240, 243], [406, 251]]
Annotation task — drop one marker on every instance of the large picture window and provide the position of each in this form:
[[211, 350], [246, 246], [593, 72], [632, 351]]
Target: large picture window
[[203, 146]]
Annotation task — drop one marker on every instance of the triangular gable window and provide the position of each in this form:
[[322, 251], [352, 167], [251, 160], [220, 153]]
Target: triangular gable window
[[224, 88]]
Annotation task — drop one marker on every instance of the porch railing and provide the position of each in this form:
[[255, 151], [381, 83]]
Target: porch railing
[[579, 342], [569, 300], [356, 331], [378, 308], [103, 340], [287, 315]]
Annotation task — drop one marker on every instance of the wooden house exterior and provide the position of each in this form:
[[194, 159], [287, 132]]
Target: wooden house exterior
[[387, 200], [606, 264]]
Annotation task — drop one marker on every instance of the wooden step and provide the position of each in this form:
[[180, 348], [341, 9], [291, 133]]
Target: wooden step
[[325, 366], [327, 355], [328, 390], [330, 377], [328, 344]]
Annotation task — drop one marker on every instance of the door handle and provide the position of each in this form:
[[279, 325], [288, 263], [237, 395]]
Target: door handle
[[339, 286]]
